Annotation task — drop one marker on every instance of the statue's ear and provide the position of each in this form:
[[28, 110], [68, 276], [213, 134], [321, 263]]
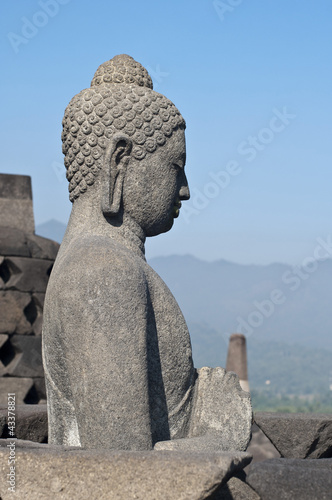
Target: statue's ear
[[115, 164]]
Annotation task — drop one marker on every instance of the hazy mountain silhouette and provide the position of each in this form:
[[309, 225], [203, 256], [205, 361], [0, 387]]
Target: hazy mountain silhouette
[[291, 346], [223, 297], [52, 229], [219, 298]]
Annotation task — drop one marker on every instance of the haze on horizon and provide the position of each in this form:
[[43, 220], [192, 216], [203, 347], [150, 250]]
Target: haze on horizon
[[252, 81]]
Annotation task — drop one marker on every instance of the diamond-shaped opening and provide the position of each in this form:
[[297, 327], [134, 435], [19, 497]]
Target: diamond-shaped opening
[[8, 269], [32, 398], [4, 272], [31, 311], [7, 353]]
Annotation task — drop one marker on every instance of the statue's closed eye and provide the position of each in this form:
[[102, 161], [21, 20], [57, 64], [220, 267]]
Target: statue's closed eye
[[177, 167]]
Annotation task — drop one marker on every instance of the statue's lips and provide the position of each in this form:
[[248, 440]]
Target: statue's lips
[[176, 208]]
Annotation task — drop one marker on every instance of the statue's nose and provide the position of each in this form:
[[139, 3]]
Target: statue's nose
[[184, 193]]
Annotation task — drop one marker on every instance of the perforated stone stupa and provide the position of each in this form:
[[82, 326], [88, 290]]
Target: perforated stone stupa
[[26, 261]]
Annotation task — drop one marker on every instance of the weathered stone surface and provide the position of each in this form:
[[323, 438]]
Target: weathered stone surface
[[3, 339], [260, 447], [298, 435], [24, 274], [16, 202], [3, 423], [14, 242], [235, 489], [20, 386], [27, 361], [21, 312], [218, 389], [12, 317], [77, 474], [39, 384], [34, 312], [295, 479], [25, 444], [114, 337], [31, 422]]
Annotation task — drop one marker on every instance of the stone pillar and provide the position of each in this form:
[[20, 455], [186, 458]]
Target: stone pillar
[[26, 261], [237, 358]]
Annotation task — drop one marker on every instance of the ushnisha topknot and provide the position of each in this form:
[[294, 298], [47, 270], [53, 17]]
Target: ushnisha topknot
[[121, 99], [122, 69]]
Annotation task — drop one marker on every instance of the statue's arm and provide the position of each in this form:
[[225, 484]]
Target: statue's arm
[[106, 352]]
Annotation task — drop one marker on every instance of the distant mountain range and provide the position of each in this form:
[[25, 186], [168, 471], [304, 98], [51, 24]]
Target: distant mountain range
[[52, 229], [266, 303], [285, 313]]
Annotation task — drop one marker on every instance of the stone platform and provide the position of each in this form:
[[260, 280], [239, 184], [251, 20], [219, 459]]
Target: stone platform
[[47, 471]]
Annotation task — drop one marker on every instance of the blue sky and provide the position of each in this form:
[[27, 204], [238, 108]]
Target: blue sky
[[252, 78]]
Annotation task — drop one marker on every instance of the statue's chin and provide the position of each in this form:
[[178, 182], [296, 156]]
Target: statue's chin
[[161, 229]]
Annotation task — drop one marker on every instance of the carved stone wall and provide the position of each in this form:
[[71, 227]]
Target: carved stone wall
[[26, 262]]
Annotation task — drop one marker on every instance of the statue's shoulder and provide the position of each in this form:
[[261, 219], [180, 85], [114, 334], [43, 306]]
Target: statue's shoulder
[[97, 258]]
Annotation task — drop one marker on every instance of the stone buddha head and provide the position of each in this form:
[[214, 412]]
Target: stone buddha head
[[126, 141]]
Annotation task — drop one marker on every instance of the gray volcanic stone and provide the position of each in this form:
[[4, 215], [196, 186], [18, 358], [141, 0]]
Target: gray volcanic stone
[[211, 429], [12, 318], [31, 422], [47, 472], [114, 337], [235, 489], [3, 339], [16, 202], [3, 422], [20, 386], [39, 384], [260, 447], [295, 479], [14, 242], [298, 435], [220, 389], [24, 274], [28, 359]]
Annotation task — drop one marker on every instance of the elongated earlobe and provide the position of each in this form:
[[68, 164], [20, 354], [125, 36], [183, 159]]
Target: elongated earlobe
[[115, 165]]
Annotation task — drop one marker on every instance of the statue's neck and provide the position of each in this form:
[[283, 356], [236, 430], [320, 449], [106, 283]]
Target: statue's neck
[[87, 218]]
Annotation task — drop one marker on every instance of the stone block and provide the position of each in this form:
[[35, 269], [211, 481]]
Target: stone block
[[260, 447], [46, 472], [35, 312], [31, 422], [3, 422], [295, 479], [3, 339], [39, 384], [20, 386], [14, 242], [298, 435], [13, 317], [28, 358], [16, 202], [42, 248], [24, 274], [235, 489]]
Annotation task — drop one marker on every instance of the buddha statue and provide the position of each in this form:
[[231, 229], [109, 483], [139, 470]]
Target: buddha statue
[[116, 348]]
